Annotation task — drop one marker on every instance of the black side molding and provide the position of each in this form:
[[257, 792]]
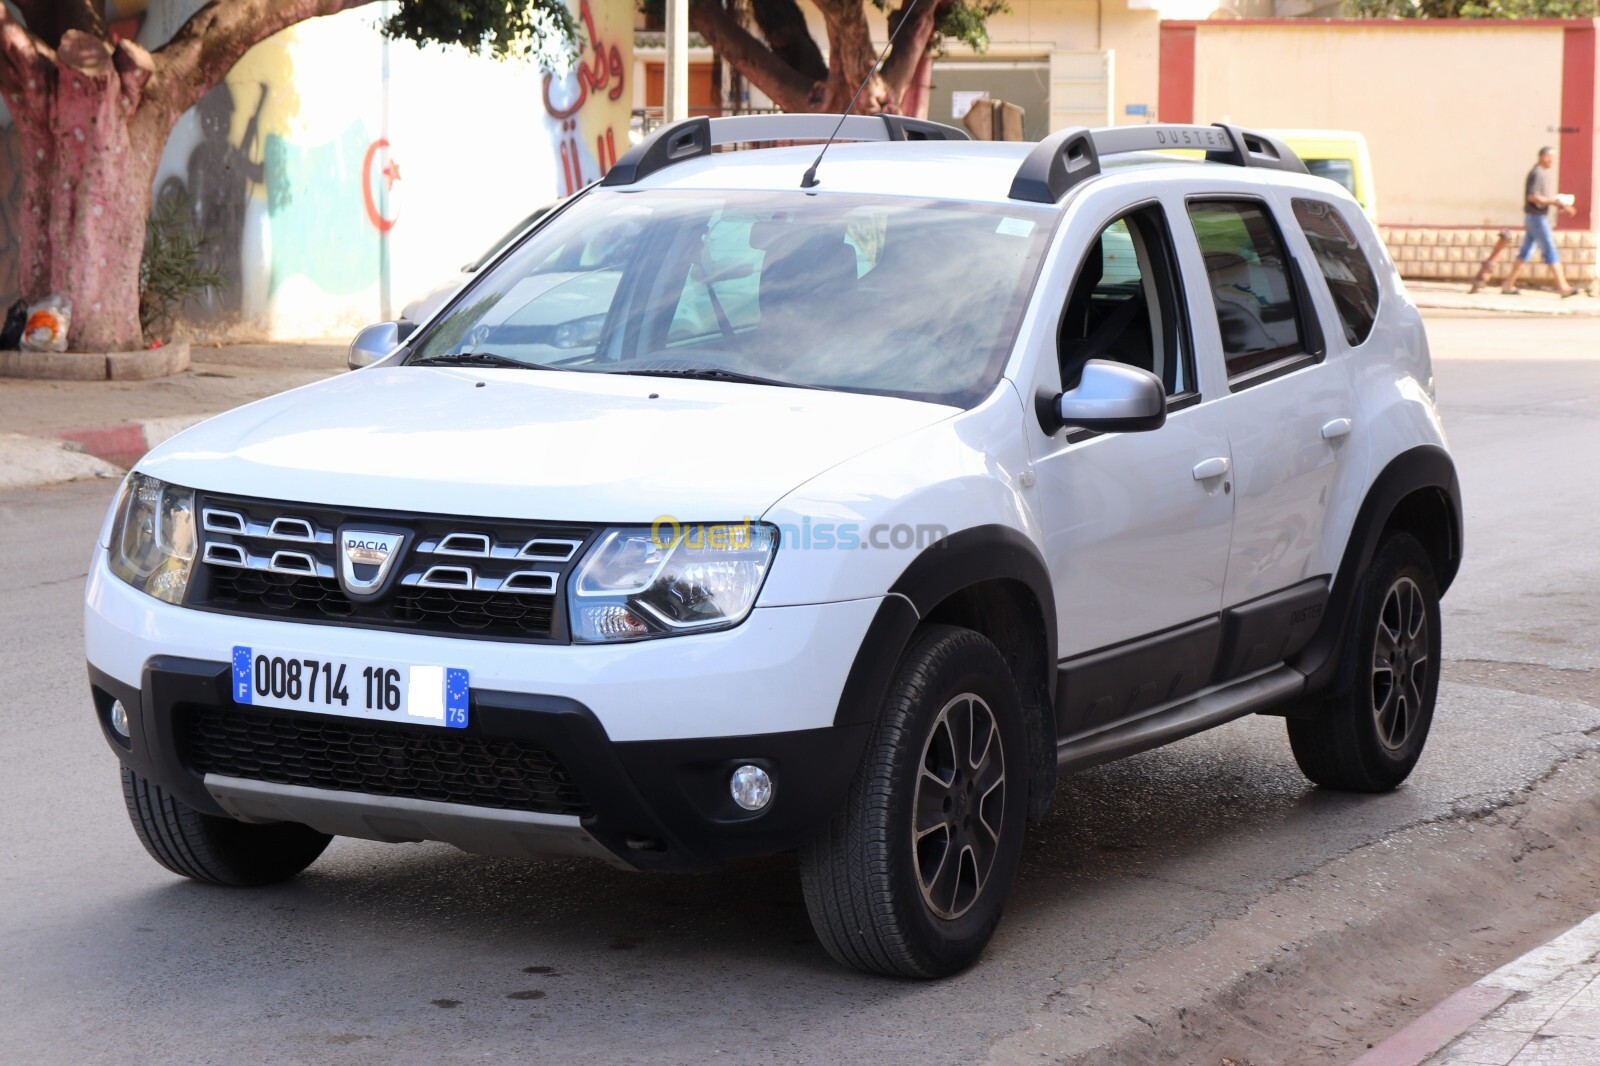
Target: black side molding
[[1112, 684]]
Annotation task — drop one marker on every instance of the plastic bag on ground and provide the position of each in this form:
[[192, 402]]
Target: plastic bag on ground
[[48, 320]]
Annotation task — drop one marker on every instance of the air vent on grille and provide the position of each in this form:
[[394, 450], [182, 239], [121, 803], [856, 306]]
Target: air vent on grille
[[349, 755], [493, 579]]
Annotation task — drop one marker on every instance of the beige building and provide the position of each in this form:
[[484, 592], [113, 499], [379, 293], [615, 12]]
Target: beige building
[[1452, 132]]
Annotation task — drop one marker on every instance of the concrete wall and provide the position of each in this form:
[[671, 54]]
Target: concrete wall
[[339, 175], [1452, 137], [1454, 112]]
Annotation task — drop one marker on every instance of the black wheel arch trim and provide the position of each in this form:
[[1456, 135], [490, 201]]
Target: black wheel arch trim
[[961, 560], [1424, 467]]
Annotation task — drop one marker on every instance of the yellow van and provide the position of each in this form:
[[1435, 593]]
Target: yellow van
[[1339, 155]]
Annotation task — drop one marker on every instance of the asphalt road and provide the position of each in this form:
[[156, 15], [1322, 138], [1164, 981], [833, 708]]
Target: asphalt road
[[421, 953]]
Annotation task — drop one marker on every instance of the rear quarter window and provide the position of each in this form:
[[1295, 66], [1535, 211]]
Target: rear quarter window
[[1344, 266]]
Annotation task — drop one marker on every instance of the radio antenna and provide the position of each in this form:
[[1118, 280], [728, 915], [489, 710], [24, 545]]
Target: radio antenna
[[809, 180]]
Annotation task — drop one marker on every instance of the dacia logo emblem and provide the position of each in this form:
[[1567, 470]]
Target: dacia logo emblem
[[365, 557]]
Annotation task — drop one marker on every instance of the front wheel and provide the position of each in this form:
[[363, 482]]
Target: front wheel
[[909, 879], [210, 848], [1369, 736]]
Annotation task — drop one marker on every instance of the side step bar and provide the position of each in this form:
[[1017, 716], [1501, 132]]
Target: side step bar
[[1193, 715]]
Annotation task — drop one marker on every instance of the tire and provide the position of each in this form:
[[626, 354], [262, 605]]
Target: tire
[[1369, 735], [219, 851], [880, 902]]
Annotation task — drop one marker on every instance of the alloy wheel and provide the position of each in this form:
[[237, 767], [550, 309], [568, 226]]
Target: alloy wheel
[[1400, 662], [959, 807]]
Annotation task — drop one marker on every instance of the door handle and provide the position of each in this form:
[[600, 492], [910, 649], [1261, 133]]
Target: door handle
[[1339, 427], [1216, 466]]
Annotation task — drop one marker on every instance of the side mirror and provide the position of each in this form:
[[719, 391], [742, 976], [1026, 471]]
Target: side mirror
[[376, 342], [1110, 397]]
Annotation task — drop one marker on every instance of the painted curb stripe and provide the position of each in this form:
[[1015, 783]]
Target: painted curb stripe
[[1537, 969], [1430, 1033]]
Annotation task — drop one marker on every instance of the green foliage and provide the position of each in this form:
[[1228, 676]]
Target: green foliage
[[543, 31], [1473, 9], [172, 269], [966, 21]]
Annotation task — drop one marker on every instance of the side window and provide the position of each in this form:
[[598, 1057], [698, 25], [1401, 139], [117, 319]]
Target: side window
[[1248, 272], [1350, 278], [1125, 305]]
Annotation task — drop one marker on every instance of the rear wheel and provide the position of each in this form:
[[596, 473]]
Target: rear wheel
[[217, 850], [1369, 736], [909, 879]]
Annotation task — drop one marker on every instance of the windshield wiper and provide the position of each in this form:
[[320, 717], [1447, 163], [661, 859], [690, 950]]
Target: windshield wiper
[[475, 359], [712, 373]]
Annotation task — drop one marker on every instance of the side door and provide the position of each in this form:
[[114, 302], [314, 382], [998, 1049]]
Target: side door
[[1289, 411], [1136, 524]]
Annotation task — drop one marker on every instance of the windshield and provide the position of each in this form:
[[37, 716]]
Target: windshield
[[898, 296]]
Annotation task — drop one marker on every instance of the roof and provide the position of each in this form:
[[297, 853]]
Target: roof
[[915, 158]]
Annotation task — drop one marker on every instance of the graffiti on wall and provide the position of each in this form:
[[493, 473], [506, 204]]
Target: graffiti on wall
[[299, 191], [588, 105]]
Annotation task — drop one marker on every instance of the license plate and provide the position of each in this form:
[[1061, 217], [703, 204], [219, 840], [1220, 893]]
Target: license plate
[[387, 692]]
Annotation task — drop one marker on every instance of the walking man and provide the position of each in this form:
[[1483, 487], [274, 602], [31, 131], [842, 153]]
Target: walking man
[[1539, 206]]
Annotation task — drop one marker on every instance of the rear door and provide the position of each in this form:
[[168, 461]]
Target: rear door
[[1288, 410]]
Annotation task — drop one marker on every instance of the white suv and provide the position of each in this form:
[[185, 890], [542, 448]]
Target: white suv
[[723, 515]]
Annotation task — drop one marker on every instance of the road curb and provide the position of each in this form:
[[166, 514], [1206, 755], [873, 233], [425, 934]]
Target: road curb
[[124, 443], [1459, 1012]]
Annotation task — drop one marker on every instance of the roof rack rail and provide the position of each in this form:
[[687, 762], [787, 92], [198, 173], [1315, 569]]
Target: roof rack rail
[[696, 137], [1071, 156]]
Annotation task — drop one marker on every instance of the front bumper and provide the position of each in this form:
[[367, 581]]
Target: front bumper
[[649, 732], [647, 805]]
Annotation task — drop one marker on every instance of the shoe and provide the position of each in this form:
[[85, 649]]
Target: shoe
[[1511, 292], [1474, 288], [1569, 292]]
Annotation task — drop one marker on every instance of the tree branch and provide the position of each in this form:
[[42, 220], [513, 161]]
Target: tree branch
[[901, 66], [24, 58], [34, 12], [49, 19], [206, 47], [783, 24], [788, 88]]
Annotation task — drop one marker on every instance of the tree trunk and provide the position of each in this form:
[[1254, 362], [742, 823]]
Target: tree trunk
[[87, 175], [92, 120]]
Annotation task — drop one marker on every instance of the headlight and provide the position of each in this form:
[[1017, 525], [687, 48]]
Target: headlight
[[152, 537], [669, 579]]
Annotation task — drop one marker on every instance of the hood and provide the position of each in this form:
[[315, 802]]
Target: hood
[[553, 445]]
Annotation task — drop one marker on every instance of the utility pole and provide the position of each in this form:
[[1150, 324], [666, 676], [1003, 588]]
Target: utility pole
[[677, 74]]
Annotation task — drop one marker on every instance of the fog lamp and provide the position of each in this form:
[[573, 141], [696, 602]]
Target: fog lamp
[[751, 787], [119, 719]]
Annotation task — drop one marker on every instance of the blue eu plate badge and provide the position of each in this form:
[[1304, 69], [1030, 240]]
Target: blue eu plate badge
[[242, 686]]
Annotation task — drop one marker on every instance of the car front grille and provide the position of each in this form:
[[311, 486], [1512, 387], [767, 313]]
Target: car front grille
[[453, 576], [350, 755]]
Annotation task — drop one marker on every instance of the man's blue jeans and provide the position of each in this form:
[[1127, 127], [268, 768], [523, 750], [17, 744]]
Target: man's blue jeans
[[1538, 232]]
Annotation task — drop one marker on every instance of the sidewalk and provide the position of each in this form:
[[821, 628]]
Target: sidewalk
[[1541, 1010], [54, 431], [1453, 296]]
